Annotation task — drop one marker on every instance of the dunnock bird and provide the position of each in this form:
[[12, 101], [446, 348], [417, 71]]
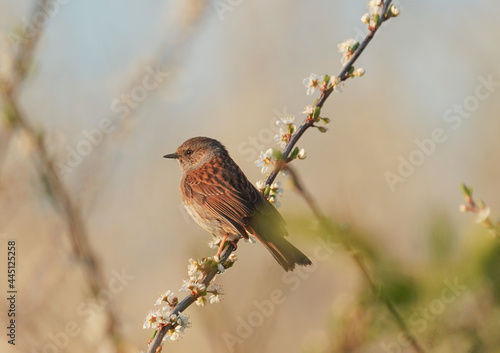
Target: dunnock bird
[[222, 201]]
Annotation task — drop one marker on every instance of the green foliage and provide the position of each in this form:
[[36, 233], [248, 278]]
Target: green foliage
[[399, 288], [467, 191], [490, 266], [294, 153]]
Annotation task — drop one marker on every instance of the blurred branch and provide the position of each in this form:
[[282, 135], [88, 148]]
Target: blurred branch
[[290, 153], [57, 190], [481, 210], [9, 86], [5, 138], [355, 254], [155, 343]]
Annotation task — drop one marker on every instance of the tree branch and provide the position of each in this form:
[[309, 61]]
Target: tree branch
[[356, 256], [280, 164], [309, 122], [186, 302], [282, 161]]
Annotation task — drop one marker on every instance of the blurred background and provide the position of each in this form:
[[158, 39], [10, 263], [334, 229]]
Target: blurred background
[[95, 93]]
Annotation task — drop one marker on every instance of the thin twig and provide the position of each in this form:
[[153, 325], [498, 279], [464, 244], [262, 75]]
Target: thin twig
[[356, 255], [481, 210], [309, 122], [281, 163], [5, 138], [186, 302]]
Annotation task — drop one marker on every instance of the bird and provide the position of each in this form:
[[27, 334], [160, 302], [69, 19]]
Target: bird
[[221, 199]]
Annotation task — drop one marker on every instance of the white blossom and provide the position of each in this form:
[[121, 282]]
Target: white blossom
[[192, 287], [168, 296], [287, 128], [215, 298], [337, 84], [287, 120], [483, 214], [214, 242], [394, 10], [152, 319], [308, 110], [311, 83], [216, 294], [221, 268], [374, 11], [335, 80], [183, 321], [265, 160], [193, 266], [374, 6], [346, 48], [274, 192], [232, 258], [359, 72], [195, 271], [276, 188], [172, 335], [201, 301], [280, 139]]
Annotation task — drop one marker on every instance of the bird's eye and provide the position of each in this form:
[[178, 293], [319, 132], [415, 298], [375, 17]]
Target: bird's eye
[[188, 152]]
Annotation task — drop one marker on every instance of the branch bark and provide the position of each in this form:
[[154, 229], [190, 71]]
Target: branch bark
[[308, 122], [186, 302], [281, 164]]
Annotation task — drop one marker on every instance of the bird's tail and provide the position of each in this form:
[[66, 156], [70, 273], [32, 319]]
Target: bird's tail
[[285, 253]]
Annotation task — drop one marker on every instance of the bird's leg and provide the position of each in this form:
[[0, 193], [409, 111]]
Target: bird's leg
[[234, 243], [221, 246]]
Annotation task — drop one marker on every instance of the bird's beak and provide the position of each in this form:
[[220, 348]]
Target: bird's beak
[[171, 155]]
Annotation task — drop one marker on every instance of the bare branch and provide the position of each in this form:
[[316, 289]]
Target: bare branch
[[357, 257]]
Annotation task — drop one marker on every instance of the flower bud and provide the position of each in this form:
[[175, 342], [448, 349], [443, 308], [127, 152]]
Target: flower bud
[[359, 72], [394, 11]]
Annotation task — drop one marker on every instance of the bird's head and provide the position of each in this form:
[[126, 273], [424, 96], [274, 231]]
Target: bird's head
[[197, 151]]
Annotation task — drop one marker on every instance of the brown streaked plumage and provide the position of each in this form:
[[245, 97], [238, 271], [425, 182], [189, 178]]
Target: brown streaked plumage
[[222, 201]]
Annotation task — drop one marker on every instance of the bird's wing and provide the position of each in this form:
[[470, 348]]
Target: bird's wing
[[228, 195], [225, 194]]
